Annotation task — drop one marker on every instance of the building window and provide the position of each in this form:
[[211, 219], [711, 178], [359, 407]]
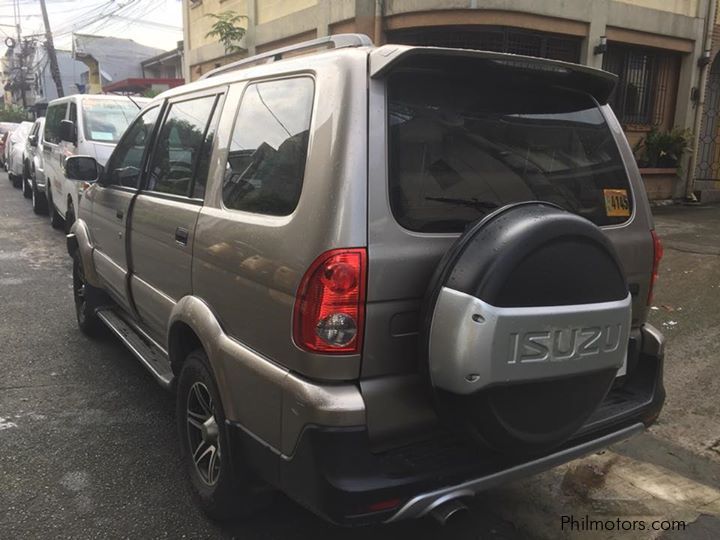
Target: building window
[[493, 38], [646, 78]]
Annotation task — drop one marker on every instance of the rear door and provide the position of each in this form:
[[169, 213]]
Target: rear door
[[166, 210], [111, 200], [453, 149], [457, 149]]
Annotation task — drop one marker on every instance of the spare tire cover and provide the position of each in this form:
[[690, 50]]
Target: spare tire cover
[[524, 326]]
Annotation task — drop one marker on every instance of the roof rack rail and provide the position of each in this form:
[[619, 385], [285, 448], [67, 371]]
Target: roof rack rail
[[337, 41]]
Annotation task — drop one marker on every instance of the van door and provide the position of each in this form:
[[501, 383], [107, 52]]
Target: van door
[[52, 155], [112, 197], [166, 210]]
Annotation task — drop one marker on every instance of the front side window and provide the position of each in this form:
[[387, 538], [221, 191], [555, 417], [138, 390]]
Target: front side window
[[55, 114], [460, 148], [268, 149], [105, 120], [125, 164], [180, 146]]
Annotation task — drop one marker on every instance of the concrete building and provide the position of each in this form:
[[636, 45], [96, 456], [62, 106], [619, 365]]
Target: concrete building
[[656, 47], [71, 75], [166, 65], [159, 73], [109, 59], [18, 77]]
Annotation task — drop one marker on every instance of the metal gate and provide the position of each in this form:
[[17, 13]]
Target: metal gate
[[708, 159]]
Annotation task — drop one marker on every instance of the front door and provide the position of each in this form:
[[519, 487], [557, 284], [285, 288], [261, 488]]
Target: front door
[[166, 210], [112, 198]]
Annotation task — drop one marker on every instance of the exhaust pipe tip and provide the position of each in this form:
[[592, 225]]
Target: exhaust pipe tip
[[448, 510]]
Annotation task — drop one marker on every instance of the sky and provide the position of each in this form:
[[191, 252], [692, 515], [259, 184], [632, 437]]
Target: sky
[[156, 23]]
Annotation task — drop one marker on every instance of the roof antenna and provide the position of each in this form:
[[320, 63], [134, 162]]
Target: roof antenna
[[133, 102]]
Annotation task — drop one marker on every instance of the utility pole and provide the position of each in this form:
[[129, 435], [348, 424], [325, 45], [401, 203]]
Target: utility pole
[[50, 46], [16, 12]]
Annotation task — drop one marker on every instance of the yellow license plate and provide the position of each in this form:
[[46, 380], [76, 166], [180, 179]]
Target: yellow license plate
[[617, 203]]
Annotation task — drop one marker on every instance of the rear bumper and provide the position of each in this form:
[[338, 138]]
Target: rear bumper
[[334, 473]]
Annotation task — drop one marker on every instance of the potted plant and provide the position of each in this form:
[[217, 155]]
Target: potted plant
[[658, 156], [662, 149]]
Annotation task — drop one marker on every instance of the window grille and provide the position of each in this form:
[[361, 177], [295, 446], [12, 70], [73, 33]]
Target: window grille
[[645, 77]]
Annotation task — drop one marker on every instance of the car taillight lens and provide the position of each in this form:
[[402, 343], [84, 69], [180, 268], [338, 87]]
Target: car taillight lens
[[330, 303], [657, 256]]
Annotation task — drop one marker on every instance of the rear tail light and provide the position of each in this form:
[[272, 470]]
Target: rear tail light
[[330, 303], [657, 256]]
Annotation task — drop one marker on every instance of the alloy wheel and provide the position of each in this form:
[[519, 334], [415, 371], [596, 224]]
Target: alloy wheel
[[203, 433]]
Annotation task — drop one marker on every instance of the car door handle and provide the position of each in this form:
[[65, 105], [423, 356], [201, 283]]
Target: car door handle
[[181, 235], [119, 214]]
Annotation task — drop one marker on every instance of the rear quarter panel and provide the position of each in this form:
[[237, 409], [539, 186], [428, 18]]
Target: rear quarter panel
[[247, 267]]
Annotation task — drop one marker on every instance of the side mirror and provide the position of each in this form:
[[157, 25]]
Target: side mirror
[[32, 140], [67, 131], [81, 168]]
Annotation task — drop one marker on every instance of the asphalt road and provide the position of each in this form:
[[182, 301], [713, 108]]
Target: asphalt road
[[88, 445]]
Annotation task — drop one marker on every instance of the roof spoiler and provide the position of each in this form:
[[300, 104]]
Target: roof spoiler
[[599, 84]]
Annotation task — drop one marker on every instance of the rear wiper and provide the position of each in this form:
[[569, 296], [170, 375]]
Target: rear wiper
[[473, 203]]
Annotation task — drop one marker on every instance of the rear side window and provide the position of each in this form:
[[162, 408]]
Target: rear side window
[[55, 114], [180, 146], [268, 149], [460, 148]]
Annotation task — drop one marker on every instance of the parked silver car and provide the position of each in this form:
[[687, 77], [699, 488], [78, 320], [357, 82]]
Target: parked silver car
[[379, 279], [33, 169]]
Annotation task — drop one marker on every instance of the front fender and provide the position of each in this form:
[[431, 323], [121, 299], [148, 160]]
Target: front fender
[[79, 240], [38, 172]]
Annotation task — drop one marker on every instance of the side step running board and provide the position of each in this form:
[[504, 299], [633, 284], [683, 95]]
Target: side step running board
[[146, 350]]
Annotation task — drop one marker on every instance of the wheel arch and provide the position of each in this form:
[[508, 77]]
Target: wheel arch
[[79, 240], [193, 325]]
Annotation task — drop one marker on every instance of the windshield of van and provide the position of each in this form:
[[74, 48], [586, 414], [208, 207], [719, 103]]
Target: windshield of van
[[460, 148], [105, 120]]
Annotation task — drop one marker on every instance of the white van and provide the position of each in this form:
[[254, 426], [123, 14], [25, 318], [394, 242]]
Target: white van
[[83, 124]]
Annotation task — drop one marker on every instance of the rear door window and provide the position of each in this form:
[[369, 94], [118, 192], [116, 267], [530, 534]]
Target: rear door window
[[266, 162], [460, 148]]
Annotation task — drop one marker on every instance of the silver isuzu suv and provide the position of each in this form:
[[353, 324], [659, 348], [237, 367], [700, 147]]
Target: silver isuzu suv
[[379, 279]]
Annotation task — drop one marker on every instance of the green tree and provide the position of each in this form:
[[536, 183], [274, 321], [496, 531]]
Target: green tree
[[227, 29], [12, 113]]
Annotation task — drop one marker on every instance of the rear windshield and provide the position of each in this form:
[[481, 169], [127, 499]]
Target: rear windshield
[[459, 148], [105, 120]]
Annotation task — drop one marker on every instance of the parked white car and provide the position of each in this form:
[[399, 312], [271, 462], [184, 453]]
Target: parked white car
[[83, 124], [14, 150]]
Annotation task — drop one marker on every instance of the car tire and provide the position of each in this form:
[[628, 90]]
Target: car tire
[[56, 220], [39, 202], [69, 217], [27, 192], [16, 180], [87, 299], [222, 491]]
